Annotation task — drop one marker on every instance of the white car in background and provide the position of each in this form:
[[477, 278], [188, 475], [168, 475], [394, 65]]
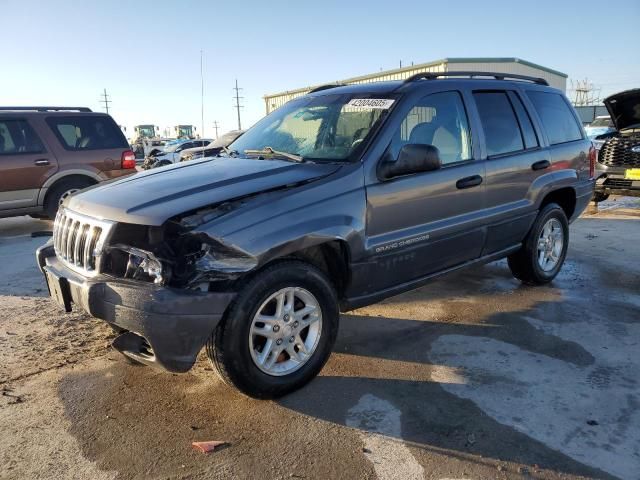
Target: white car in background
[[601, 125], [171, 153]]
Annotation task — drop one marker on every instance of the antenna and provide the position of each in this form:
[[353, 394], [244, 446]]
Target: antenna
[[237, 106], [201, 98], [216, 126], [105, 100]]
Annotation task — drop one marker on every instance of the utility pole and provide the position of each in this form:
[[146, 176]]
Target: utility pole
[[584, 93], [201, 98], [105, 100], [216, 126], [237, 106]]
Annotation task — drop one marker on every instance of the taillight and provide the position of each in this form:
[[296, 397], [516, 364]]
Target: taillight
[[128, 159], [593, 154]]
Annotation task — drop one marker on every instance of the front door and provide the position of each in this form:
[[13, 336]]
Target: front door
[[427, 222]]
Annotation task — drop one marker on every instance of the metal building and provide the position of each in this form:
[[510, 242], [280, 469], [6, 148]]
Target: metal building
[[503, 65]]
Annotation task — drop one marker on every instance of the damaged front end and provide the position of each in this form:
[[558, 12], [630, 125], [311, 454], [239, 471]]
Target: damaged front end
[[177, 254]]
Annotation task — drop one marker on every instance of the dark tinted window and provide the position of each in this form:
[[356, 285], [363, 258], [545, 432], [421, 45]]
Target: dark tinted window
[[501, 130], [87, 132], [17, 136], [439, 120], [556, 116], [526, 127]]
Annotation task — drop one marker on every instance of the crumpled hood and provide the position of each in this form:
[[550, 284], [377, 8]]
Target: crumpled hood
[[152, 197], [624, 108]]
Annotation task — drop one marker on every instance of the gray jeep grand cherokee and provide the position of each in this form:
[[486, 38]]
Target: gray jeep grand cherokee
[[338, 199]]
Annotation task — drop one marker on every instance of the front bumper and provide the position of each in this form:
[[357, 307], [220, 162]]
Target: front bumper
[[159, 326], [612, 181]]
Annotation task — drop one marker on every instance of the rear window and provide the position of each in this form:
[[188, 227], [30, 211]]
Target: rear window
[[87, 132], [17, 137], [501, 130], [556, 116]]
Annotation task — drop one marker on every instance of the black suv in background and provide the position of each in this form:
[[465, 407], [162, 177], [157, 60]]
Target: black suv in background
[[618, 167], [336, 200], [49, 153]]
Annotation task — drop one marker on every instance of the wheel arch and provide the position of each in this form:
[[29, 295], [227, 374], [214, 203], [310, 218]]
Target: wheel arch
[[331, 256], [565, 197], [62, 176]]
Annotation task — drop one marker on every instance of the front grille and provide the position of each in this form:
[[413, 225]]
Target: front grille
[[616, 152], [618, 183], [79, 240]]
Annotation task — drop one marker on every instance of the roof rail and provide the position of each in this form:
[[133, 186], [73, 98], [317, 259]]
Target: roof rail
[[327, 87], [47, 109], [496, 75]]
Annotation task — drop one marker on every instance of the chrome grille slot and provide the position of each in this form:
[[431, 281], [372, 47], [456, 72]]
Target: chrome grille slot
[[79, 241]]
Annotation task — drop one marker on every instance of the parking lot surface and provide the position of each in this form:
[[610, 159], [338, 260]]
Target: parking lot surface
[[473, 376]]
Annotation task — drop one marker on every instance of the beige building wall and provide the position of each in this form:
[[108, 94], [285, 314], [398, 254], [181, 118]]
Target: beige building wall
[[554, 80], [502, 65]]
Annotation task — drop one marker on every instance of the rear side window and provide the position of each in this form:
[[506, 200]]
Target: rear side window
[[501, 130], [556, 116], [528, 133], [87, 132], [17, 137]]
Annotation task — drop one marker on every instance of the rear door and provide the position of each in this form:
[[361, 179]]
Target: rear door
[[25, 164], [515, 160], [426, 222], [91, 140]]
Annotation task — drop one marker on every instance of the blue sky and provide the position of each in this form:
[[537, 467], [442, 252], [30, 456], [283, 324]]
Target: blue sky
[[147, 53]]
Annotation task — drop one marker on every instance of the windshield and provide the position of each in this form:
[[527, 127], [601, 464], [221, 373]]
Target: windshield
[[602, 122], [173, 146], [327, 127], [146, 131], [185, 130]]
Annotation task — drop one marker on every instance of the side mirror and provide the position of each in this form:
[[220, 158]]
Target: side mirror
[[413, 158]]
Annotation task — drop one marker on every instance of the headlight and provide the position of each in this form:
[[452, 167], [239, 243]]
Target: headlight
[[143, 263]]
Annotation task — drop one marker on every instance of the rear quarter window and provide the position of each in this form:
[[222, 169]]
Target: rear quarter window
[[87, 132], [556, 116]]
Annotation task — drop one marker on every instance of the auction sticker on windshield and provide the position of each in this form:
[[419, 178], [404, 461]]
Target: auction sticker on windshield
[[382, 103]]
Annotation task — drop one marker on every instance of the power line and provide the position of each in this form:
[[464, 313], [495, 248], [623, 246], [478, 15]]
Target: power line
[[105, 100], [237, 105], [216, 126]]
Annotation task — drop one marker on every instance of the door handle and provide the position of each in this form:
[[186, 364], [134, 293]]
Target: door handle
[[469, 182], [41, 162], [541, 165]]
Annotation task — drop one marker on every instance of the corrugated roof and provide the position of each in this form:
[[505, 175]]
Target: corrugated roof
[[418, 66]]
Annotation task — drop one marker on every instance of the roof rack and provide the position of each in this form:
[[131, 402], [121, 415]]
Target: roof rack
[[497, 76], [48, 109], [327, 87]]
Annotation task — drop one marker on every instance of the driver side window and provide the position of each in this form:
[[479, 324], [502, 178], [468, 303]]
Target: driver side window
[[439, 120]]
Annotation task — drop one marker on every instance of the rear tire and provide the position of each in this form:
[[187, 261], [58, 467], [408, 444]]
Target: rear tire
[[235, 349], [600, 197], [544, 248], [60, 191]]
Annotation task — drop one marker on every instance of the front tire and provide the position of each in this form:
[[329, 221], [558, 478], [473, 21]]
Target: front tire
[[544, 248], [279, 332]]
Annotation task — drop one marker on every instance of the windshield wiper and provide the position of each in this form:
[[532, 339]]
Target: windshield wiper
[[229, 152], [272, 152]]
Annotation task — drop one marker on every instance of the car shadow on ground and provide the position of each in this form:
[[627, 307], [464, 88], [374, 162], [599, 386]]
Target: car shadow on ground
[[382, 357]]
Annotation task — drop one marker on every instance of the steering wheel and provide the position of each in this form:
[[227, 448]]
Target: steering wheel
[[358, 137]]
